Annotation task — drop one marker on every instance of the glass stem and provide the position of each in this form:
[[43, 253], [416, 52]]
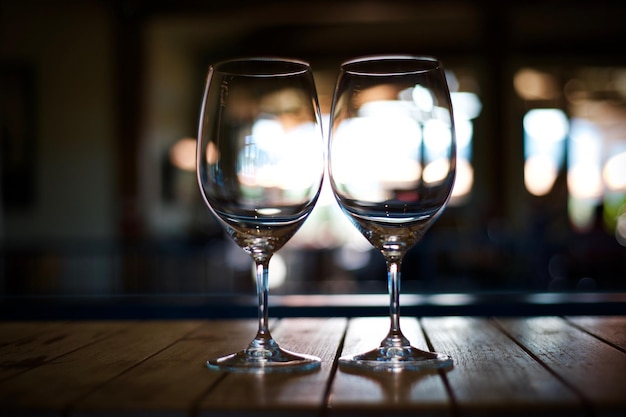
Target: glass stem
[[394, 338], [263, 339]]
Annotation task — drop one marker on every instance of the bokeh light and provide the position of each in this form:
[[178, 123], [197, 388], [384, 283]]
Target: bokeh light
[[545, 131]]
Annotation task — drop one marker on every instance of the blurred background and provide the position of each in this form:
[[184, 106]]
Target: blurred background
[[99, 105]]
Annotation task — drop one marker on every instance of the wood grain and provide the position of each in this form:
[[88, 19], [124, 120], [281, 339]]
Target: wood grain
[[375, 394], [586, 363], [611, 329], [542, 366], [170, 382], [276, 394], [11, 331], [494, 376], [58, 384], [36, 343]]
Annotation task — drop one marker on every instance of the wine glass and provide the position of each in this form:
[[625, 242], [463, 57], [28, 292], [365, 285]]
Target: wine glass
[[260, 165], [392, 161]]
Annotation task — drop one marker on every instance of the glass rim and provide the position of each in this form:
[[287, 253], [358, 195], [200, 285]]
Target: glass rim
[[391, 64], [261, 66]]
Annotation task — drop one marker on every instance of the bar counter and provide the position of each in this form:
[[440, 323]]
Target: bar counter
[[503, 366]]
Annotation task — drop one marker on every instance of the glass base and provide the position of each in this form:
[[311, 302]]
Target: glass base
[[264, 360], [395, 359]]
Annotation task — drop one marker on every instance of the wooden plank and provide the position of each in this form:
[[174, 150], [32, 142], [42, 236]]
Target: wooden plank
[[383, 393], [61, 382], [52, 340], [543, 365], [220, 338], [595, 369], [169, 383], [492, 375], [611, 328], [12, 331], [281, 394]]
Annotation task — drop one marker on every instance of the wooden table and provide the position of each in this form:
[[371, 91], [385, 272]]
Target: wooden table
[[503, 366]]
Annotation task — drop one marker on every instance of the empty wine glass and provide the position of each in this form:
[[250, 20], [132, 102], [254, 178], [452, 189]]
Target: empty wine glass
[[392, 158], [260, 164]]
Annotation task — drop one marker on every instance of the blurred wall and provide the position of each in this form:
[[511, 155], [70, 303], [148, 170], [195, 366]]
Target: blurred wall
[[115, 84], [68, 47]]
